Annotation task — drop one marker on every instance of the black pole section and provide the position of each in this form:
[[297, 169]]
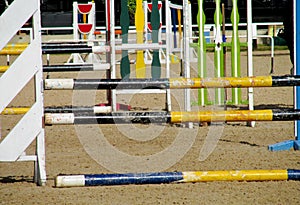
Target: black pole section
[[86, 84], [67, 45], [287, 80], [286, 115], [124, 118], [63, 50], [65, 68]]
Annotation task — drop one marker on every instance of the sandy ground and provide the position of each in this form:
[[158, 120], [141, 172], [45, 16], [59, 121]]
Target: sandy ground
[[83, 150]]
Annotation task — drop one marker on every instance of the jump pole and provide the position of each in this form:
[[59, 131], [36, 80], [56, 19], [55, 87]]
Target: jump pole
[[172, 117], [175, 177], [172, 83], [59, 49], [68, 67], [64, 109]]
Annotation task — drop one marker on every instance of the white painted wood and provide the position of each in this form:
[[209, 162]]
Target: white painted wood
[[27, 66], [18, 75], [21, 136], [14, 18]]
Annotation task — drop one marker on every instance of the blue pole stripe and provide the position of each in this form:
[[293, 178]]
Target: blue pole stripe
[[293, 174], [132, 178]]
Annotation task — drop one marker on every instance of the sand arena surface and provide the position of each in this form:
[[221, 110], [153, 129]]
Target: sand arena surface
[[237, 146]]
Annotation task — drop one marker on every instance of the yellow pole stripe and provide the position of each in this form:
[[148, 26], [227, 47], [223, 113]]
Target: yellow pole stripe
[[222, 116], [16, 45], [3, 69], [15, 111], [179, 24], [11, 51], [226, 82], [242, 175]]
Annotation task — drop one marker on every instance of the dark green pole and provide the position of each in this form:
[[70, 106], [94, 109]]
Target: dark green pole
[[155, 23], [124, 21]]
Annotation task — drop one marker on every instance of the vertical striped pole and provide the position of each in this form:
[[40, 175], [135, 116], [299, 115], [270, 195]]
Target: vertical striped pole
[[250, 56], [202, 93], [155, 23], [173, 11], [108, 53], [224, 52], [235, 52], [124, 21], [179, 25], [218, 57], [140, 68], [84, 16]]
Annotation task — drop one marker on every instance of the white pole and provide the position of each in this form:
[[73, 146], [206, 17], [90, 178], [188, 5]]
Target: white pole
[[186, 56], [113, 51], [250, 59]]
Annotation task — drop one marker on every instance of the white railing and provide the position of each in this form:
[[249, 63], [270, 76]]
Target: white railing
[[30, 127]]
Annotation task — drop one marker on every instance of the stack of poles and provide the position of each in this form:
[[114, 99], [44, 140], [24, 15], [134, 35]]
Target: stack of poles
[[170, 117], [219, 54]]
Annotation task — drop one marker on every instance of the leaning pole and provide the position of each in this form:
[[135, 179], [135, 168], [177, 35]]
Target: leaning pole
[[175, 177]]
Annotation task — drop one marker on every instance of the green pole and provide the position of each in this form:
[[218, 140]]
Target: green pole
[[235, 52], [201, 51], [124, 21]]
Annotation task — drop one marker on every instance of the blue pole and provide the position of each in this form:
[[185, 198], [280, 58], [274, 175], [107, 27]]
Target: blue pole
[[173, 11]]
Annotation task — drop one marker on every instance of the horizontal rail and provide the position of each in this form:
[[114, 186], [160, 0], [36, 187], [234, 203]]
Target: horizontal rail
[[77, 47], [64, 109], [173, 83], [69, 67], [172, 117]]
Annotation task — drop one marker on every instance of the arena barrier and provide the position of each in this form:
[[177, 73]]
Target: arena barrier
[[172, 117], [175, 177], [173, 83]]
